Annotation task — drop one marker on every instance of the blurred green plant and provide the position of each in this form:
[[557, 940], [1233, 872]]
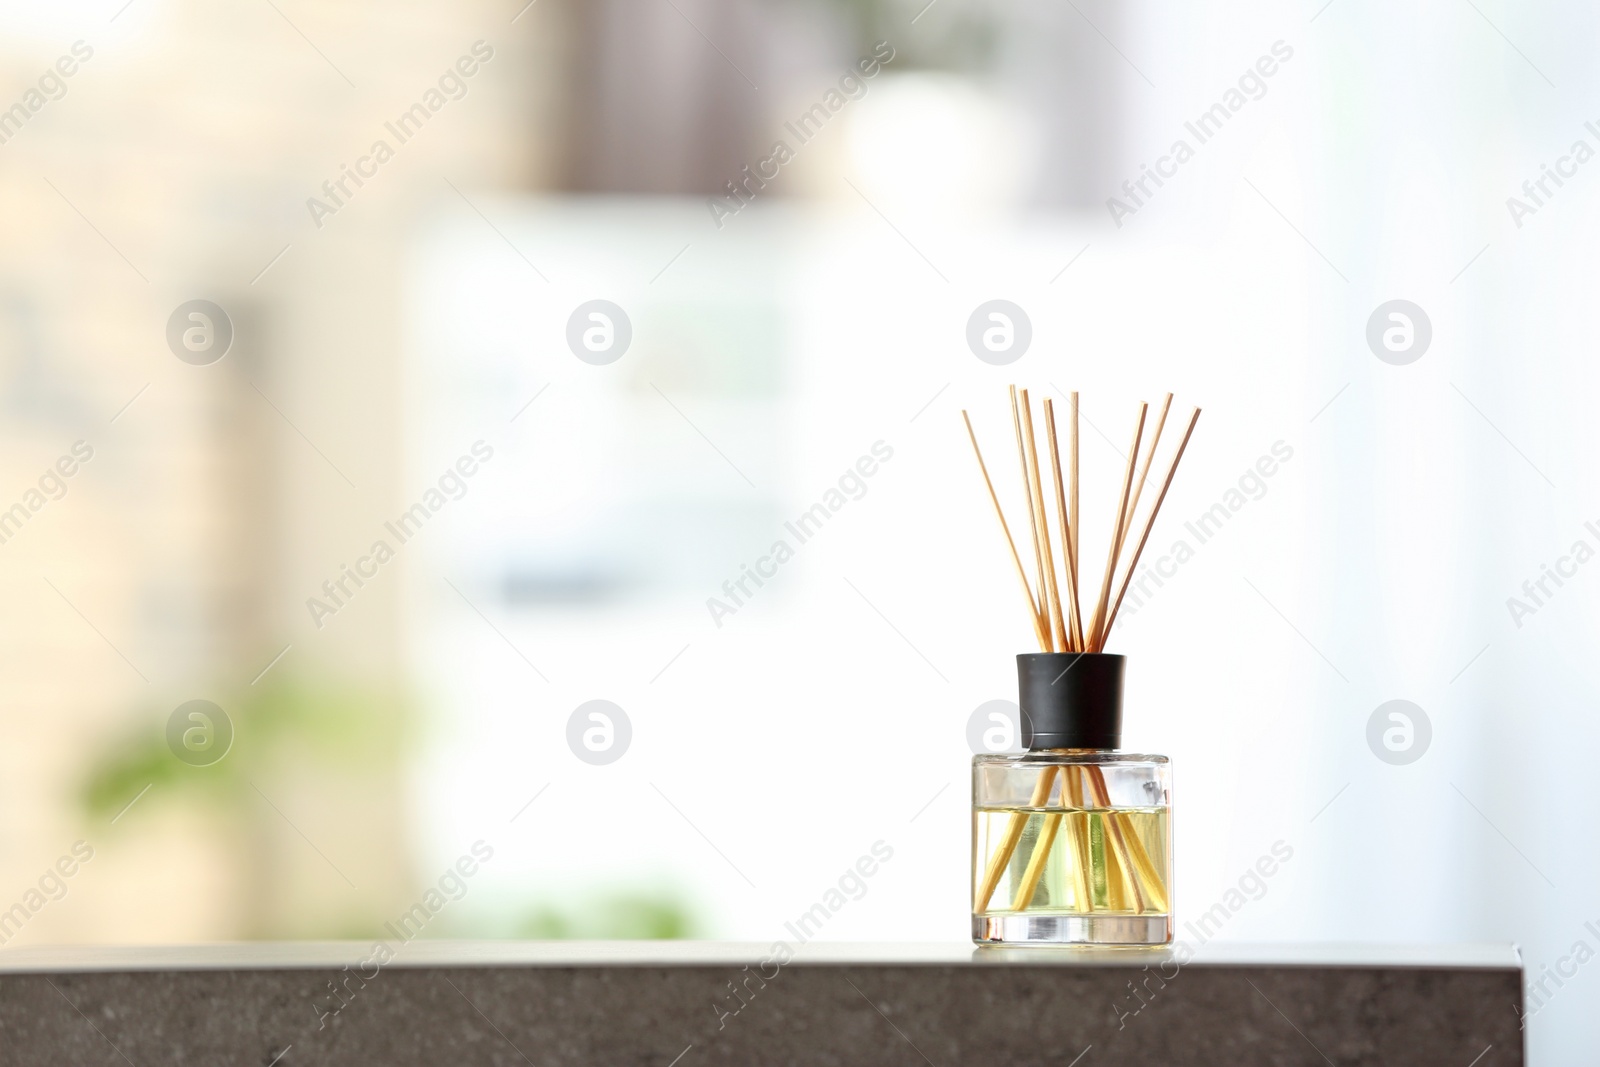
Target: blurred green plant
[[287, 720], [297, 721], [285, 729], [613, 917]]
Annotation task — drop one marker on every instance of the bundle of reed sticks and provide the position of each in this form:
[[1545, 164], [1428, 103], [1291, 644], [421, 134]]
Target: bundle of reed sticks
[[1056, 615], [1054, 606]]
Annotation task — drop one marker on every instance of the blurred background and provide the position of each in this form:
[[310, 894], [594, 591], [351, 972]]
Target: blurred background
[[403, 315]]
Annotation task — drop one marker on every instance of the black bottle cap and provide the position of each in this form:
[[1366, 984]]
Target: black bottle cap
[[1070, 699]]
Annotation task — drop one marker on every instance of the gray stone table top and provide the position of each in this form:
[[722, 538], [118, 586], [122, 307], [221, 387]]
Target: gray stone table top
[[691, 1003]]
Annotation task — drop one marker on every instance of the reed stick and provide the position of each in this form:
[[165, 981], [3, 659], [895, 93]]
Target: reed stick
[[1019, 822], [1059, 632], [1069, 563], [1033, 518], [1144, 472], [1096, 636], [1121, 893], [1022, 576], [1078, 838], [1166, 483], [1148, 889], [1036, 863], [1115, 841], [1077, 609]]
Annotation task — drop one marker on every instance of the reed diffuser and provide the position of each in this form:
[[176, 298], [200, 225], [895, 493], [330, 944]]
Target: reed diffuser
[[1071, 840]]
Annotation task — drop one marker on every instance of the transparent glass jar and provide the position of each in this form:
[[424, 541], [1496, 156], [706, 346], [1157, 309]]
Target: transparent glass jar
[[1071, 846]]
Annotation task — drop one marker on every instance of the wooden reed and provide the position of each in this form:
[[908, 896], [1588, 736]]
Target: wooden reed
[[1069, 535], [1033, 519], [1144, 472], [1166, 483], [1022, 576], [1078, 838], [1096, 635], [1029, 885], [1143, 878], [1002, 855], [1059, 632], [1077, 608]]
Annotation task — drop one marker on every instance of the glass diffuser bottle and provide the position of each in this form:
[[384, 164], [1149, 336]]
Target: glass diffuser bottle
[[1071, 840]]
